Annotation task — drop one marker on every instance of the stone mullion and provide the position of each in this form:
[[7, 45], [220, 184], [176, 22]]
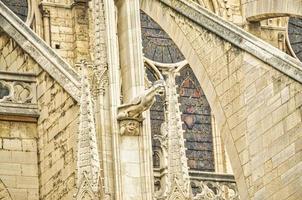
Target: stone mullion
[[114, 95]]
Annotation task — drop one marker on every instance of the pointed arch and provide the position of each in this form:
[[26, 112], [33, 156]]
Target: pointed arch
[[157, 12]]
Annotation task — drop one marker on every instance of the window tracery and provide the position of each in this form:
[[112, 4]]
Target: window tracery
[[294, 34], [157, 45], [196, 112]]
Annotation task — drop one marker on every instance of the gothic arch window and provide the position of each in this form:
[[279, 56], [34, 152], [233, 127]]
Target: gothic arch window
[[156, 159], [196, 112], [294, 37], [157, 45], [19, 7], [196, 117]]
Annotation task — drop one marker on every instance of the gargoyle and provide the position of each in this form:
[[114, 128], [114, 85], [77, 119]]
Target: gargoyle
[[142, 102]]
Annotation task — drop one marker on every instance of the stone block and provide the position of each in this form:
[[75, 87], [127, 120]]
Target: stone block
[[29, 170], [12, 144], [26, 182], [9, 180], [10, 169], [25, 157], [293, 119], [20, 194], [5, 156], [29, 145]]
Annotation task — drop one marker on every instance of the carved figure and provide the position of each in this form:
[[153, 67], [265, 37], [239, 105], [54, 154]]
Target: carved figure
[[129, 127], [141, 103]]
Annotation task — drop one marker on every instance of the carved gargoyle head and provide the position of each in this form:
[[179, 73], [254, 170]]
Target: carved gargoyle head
[[160, 87]]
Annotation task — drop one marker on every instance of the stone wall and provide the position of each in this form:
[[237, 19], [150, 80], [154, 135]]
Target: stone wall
[[19, 159], [13, 58], [57, 133], [38, 159], [18, 140], [68, 29]]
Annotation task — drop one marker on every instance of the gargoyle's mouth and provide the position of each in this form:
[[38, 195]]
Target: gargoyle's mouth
[[161, 93]]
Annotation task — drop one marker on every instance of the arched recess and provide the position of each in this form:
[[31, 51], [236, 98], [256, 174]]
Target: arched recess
[[157, 12]]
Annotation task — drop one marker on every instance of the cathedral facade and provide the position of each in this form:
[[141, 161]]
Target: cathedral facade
[[150, 100]]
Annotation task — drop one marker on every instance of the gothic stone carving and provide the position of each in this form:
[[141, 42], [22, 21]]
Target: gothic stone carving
[[16, 92], [141, 103], [130, 115], [129, 127], [208, 190]]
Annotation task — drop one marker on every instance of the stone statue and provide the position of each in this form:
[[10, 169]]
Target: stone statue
[[141, 103]]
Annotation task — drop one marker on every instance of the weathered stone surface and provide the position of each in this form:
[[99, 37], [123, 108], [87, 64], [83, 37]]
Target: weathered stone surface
[[242, 86], [253, 89]]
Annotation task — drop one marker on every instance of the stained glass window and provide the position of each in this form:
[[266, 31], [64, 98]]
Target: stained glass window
[[295, 36], [196, 112], [157, 45], [19, 7]]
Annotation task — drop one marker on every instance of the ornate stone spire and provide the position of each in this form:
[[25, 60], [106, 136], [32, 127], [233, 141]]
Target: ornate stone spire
[[88, 163], [178, 181]]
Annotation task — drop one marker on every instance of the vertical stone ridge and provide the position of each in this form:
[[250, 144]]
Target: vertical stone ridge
[[100, 67], [88, 163], [179, 180]]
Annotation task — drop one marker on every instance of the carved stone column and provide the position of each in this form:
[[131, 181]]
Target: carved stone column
[[134, 142], [46, 25]]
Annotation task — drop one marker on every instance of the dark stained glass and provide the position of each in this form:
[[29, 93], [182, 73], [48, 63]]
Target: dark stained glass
[[157, 115], [157, 45], [196, 112], [295, 36], [4, 91], [196, 117], [19, 7]]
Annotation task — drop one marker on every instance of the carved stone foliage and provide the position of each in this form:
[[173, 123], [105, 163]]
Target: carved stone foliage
[[214, 190], [4, 194]]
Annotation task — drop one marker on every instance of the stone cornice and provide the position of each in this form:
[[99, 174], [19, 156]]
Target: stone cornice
[[44, 55], [238, 37]]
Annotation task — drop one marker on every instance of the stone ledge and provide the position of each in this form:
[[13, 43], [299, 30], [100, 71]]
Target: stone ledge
[[258, 10], [211, 176], [16, 76], [238, 37], [45, 56]]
